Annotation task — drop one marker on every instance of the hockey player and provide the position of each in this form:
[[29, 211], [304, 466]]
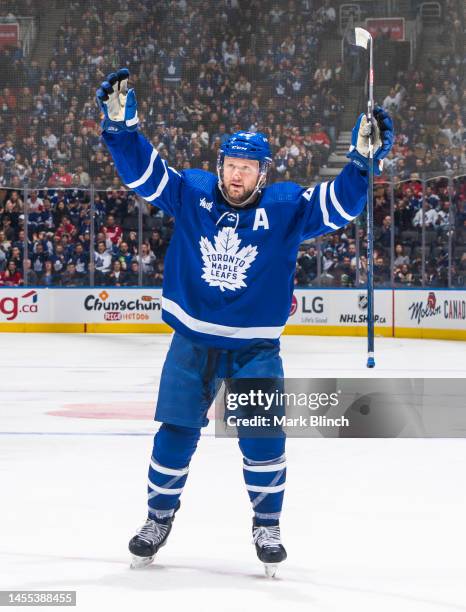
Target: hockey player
[[227, 293]]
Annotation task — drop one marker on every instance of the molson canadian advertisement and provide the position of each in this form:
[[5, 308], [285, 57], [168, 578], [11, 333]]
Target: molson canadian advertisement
[[432, 313]]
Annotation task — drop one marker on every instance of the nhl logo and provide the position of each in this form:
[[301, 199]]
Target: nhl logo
[[362, 301]]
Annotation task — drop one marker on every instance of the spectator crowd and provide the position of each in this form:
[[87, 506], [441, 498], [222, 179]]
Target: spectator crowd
[[403, 265], [199, 75], [428, 106]]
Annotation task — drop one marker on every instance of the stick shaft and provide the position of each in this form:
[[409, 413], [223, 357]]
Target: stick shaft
[[370, 218]]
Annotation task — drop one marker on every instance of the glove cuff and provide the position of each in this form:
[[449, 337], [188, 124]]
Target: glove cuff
[[115, 127], [362, 163]]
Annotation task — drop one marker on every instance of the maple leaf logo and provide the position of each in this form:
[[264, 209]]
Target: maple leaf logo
[[225, 264]]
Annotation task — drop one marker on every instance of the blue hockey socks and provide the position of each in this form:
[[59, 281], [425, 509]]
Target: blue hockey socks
[[173, 448], [264, 471]]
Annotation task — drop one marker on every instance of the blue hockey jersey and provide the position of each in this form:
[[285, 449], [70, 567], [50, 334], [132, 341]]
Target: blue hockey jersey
[[229, 271]]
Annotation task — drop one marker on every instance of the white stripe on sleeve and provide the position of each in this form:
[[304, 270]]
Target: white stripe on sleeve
[[323, 206], [161, 186], [337, 204], [147, 172]]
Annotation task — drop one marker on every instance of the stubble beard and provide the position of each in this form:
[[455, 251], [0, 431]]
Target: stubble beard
[[238, 200]]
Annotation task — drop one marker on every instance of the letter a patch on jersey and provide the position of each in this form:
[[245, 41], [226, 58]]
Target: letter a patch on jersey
[[225, 264], [260, 220]]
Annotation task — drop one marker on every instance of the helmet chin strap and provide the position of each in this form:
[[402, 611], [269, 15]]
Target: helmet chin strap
[[250, 198]]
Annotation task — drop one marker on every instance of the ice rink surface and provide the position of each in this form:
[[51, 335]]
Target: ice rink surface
[[370, 525]]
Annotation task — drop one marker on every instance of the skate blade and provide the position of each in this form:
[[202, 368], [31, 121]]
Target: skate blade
[[139, 562], [270, 569]]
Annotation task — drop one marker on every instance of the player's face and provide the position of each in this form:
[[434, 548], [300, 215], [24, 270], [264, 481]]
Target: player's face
[[240, 177]]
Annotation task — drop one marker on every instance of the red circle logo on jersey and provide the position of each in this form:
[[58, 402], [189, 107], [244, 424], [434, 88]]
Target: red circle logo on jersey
[[294, 306]]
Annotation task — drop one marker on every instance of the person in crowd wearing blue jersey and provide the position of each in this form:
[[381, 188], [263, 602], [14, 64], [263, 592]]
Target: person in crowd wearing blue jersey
[[227, 290]]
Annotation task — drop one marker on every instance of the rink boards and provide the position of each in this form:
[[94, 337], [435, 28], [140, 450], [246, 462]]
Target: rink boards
[[412, 313]]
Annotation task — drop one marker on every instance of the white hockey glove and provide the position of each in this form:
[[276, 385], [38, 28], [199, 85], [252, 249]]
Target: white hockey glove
[[383, 136], [118, 103]]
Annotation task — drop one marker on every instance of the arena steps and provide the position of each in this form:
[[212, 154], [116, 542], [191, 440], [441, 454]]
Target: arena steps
[[344, 136], [329, 173], [431, 47], [338, 161], [331, 51], [341, 151], [50, 22], [352, 108]]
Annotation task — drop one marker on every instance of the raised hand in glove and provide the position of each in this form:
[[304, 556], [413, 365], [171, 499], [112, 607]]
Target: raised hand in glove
[[118, 103], [383, 136]]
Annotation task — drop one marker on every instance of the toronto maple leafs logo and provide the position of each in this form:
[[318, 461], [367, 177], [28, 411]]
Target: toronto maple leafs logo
[[225, 264]]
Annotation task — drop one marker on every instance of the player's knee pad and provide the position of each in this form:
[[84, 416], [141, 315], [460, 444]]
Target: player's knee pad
[[174, 445], [262, 449]]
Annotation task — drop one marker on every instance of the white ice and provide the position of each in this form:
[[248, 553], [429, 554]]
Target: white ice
[[370, 525]]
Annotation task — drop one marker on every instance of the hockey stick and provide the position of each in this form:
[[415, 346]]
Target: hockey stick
[[364, 39]]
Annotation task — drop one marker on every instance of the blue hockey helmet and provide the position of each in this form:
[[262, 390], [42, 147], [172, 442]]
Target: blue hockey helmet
[[246, 145]]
